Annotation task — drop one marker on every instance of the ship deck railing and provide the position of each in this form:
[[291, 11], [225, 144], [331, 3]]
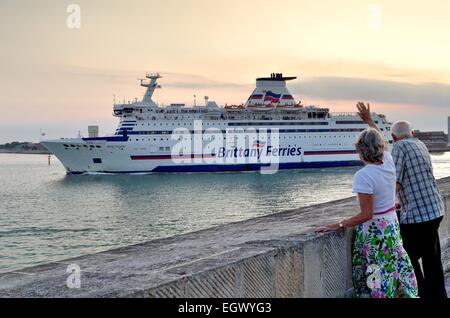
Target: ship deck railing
[[343, 114]]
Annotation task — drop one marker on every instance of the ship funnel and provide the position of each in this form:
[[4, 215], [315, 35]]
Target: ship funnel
[[271, 92]]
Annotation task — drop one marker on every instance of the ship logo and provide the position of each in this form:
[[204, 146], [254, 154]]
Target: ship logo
[[259, 144], [272, 97]]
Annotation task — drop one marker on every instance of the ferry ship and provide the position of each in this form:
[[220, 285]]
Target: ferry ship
[[270, 131]]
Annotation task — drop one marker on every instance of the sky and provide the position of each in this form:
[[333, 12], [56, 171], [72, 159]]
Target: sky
[[59, 78]]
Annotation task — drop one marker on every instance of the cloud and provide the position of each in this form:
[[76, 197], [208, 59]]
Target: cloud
[[170, 79], [434, 95], [192, 81]]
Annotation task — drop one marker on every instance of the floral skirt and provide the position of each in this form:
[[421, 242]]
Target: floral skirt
[[381, 266]]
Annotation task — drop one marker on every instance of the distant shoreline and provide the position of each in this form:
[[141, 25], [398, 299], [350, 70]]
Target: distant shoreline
[[25, 147], [25, 152]]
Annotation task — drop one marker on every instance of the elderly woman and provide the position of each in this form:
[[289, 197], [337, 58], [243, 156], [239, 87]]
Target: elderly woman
[[381, 266]]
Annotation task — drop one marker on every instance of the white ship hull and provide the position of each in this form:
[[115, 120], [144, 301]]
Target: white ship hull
[[125, 160]]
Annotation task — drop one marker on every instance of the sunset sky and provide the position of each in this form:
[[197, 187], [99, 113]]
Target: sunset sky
[[394, 54]]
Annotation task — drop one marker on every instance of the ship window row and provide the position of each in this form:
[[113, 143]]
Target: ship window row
[[289, 137], [79, 146], [248, 124], [169, 132], [173, 124], [313, 123]]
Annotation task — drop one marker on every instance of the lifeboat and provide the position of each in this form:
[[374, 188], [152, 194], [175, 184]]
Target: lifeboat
[[234, 107], [290, 106], [261, 107]]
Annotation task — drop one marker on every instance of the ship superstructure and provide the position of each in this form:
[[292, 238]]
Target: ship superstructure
[[270, 130]]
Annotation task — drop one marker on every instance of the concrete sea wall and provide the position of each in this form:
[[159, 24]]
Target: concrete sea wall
[[273, 256]]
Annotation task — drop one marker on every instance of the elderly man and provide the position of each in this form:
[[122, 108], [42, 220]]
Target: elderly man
[[422, 208]]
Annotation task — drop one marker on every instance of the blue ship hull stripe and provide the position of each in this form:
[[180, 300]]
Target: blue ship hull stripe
[[238, 167], [111, 138]]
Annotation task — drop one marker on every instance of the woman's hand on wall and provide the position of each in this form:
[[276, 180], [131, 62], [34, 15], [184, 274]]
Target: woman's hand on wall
[[328, 228]]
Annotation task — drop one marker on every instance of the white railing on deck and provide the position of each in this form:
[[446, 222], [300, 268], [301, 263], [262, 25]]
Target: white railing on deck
[[343, 114]]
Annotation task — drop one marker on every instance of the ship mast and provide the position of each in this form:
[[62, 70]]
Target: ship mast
[[151, 86]]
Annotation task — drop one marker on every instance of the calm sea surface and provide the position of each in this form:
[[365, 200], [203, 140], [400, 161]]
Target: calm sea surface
[[46, 215]]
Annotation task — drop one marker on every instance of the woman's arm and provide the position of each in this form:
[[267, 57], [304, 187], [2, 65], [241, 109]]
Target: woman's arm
[[366, 116], [366, 205]]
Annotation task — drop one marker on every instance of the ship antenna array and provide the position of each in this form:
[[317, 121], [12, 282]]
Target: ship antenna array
[[152, 75]]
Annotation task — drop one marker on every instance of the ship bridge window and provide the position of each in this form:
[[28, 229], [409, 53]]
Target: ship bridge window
[[97, 160]]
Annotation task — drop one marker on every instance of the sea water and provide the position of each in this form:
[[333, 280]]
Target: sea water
[[46, 215]]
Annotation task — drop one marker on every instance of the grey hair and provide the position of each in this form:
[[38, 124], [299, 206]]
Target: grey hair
[[402, 129], [371, 145]]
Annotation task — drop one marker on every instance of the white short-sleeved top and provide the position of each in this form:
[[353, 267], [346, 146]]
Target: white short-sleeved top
[[378, 180]]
